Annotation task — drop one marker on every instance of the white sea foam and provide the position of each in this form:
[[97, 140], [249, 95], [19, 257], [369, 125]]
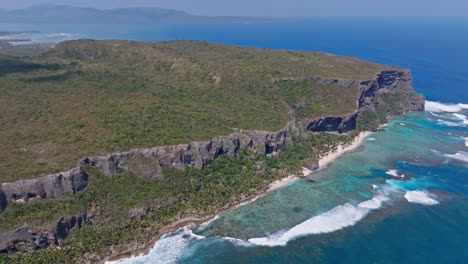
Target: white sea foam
[[206, 224], [461, 156], [449, 123], [466, 141], [461, 117], [420, 197], [238, 242], [167, 250], [393, 173], [371, 139], [337, 218], [441, 107], [247, 202]]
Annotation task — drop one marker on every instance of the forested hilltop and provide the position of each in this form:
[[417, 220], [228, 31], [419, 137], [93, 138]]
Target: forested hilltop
[[191, 127]]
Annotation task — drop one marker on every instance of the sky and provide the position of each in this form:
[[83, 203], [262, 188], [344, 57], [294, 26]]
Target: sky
[[279, 8]]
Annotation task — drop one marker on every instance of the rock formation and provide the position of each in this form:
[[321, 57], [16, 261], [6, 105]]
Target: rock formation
[[374, 94], [50, 186], [26, 237], [197, 154]]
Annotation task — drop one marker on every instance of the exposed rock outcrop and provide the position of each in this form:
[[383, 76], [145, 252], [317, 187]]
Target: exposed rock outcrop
[[36, 238], [340, 124], [65, 225], [3, 201], [197, 154], [376, 95], [50, 186]]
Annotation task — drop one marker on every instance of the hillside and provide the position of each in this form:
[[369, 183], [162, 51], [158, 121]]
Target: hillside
[[192, 127], [50, 13], [91, 98]]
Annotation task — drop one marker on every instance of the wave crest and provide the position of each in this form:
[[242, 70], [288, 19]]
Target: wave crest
[[167, 250], [441, 107], [337, 218], [461, 156], [420, 197]]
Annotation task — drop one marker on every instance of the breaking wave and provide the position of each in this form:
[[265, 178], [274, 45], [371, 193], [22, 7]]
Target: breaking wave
[[462, 118], [203, 226], [441, 107], [167, 250], [337, 218], [461, 155], [421, 197], [394, 173]]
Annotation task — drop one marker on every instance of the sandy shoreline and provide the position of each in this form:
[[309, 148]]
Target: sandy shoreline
[[192, 221], [341, 150]]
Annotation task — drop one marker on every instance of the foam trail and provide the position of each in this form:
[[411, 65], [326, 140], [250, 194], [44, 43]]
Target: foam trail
[[466, 141], [461, 156], [449, 123], [420, 197], [462, 117], [203, 226], [166, 251], [238, 242], [441, 107], [337, 218]]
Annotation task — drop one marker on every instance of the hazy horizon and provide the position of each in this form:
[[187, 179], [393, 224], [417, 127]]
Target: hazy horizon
[[276, 8]]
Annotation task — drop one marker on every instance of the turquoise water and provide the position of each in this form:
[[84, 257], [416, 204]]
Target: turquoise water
[[361, 209], [400, 196]]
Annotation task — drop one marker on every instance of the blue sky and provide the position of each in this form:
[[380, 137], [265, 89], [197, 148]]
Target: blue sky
[[302, 8]]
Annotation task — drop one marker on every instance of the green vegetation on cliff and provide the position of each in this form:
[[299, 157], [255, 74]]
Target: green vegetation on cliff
[[94, 97], [86, 98]]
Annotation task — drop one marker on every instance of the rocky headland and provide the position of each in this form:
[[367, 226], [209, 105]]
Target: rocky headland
[[149, 163]]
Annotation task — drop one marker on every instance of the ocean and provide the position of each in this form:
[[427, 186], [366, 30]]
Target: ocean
[[401, 196]]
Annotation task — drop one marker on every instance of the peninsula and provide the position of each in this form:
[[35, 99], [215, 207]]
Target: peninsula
[[107, 143]]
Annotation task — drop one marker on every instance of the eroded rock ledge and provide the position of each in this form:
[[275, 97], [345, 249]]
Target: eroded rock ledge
[[41, 238], [392, 83], [49, 186], [150, 162]]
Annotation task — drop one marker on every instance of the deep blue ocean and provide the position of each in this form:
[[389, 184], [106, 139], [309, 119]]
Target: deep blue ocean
[[401, 197]]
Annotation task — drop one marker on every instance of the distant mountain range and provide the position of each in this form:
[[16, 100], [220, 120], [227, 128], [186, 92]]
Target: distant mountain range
[[82, 15]]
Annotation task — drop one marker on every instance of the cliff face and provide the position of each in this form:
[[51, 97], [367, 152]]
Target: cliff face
[[196, 154], [50, 186], [41, 238], [148, 163], [389, 95], [340, 124]]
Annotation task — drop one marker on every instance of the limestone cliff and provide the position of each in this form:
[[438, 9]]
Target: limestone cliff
[[37, 238], [50, 186], [197, 154], [389, 95]]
